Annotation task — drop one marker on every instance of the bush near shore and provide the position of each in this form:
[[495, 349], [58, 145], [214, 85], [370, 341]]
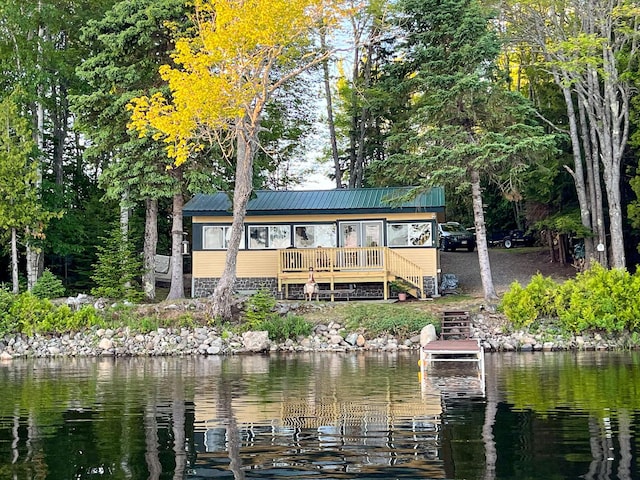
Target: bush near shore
[[595, 300]]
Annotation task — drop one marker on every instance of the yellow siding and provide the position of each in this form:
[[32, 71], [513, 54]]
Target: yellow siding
[[426, 258], [250, 264], [264, 263]]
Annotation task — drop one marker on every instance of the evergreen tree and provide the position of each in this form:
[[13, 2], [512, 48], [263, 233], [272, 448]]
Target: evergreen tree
[[465, 124], [117, 272]]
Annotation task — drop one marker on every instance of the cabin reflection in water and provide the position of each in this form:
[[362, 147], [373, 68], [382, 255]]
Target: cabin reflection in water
[[333, 429]]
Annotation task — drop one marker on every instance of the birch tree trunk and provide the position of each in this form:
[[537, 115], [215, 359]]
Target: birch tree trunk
[[330, 120], [490, 294], [14, 261], [353, 131], [34, 260], [124, 222], [577, 172], [150, 246], [247, 144], [592, 162], [177, 278]]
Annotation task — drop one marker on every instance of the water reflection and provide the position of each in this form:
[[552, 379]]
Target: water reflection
[[320, 416]]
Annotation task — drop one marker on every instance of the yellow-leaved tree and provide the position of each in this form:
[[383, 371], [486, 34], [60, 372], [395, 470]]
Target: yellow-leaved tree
[[240, 54]]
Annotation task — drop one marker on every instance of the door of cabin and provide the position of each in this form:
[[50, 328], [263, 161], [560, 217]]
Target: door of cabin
[[361, 234]]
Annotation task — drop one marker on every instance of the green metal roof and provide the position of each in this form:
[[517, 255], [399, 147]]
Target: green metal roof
[[339, 201]]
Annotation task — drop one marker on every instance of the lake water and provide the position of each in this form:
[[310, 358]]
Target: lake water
[[321, 416]]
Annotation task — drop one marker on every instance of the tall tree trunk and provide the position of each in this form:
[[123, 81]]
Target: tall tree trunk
[[609, 122], [330, 121], [612, 183], [490, 294], [149, 249], [577, 172], [124, 222], [177, 228], [60, 122], [590, 149], [14, 261], [358, 170], [34, 260], [247, 142], [353, 130]]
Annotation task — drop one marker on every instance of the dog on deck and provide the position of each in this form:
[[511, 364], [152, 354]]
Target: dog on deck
[[311, 287]]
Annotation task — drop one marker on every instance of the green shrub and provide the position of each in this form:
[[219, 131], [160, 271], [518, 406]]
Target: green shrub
[[86, 317], [523, 306], [518, 306], [8, 323], [596, 299], [31, 314], [599, 299], [284, 328], [48, 286]]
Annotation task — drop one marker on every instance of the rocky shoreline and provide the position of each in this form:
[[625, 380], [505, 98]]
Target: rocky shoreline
[[330, 337]]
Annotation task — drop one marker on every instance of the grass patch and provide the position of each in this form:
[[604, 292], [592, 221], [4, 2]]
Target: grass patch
[[379, 319]]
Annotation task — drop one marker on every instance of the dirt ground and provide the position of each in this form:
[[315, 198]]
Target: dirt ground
[[507, 265]]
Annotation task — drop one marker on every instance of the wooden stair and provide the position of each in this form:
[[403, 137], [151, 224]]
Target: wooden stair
[[456, 325]]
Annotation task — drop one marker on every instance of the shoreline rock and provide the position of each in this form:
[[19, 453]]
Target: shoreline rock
[[489, 328]]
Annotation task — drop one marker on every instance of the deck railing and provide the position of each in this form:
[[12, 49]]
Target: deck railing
[[402, 267], [389, 263], [332, 259]]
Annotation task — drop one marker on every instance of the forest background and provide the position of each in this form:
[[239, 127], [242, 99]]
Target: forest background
[[526, 113]]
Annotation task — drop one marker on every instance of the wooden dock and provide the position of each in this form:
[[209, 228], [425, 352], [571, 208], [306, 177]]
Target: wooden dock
[[455, 345], [452, 351]]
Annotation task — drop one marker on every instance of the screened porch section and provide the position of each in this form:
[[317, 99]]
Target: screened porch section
[[337, 265]]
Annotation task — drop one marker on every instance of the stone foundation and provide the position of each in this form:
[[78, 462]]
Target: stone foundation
[[203, 287]]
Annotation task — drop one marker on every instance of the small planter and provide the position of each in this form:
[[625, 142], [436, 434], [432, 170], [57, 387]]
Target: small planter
[[401, 287]]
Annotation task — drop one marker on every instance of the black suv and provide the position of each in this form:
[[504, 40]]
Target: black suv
[[453, 236]]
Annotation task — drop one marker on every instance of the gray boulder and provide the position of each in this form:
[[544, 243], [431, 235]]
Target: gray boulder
[[256, 341]]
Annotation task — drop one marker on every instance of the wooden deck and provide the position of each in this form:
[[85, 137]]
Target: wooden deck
[[347, 265]]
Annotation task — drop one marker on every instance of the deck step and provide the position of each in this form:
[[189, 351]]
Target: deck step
[[456, 325]]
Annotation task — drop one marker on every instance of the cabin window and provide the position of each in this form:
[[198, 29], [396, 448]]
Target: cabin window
[[361, 234], [269, 236], [313, 236], [217, 237], [410, 234]]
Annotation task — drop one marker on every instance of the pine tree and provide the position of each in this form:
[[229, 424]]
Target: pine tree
[[117, 272]]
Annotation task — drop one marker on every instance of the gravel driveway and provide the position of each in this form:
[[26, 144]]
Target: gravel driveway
[[507, 266]]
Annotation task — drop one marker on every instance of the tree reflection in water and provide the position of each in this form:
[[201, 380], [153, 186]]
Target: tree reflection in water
[[321, 416]]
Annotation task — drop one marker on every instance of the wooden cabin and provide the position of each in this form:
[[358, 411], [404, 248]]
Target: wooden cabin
[[356, 240]]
